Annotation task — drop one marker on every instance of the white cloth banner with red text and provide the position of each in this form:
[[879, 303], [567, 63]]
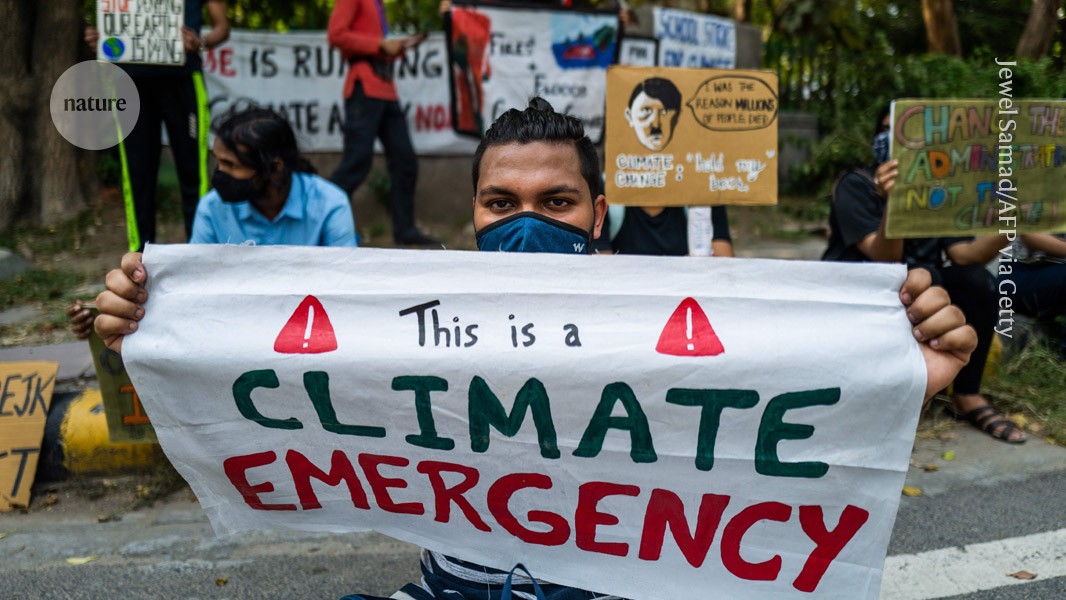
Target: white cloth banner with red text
[[299, 75], [644, 426]]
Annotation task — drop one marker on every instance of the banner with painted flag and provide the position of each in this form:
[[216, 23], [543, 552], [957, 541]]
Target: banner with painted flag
[[302, 77], [501, 56], [709, 428]]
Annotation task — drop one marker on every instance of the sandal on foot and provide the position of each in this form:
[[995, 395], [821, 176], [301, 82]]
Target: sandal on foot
[[989, 420]]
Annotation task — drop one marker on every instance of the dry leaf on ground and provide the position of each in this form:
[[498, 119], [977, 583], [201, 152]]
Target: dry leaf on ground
[[1026, 575], [81, 560], [910, 490]]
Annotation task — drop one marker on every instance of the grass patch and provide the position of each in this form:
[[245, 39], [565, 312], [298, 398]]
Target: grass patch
[[51, 240], [1033, 382], [38, 285], [46, 295]]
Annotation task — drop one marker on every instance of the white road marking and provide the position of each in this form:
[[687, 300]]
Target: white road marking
[[968, 569]]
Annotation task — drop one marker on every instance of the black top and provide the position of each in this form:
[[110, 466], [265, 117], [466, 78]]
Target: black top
[[665, 234], [194, 19], [856, 213]]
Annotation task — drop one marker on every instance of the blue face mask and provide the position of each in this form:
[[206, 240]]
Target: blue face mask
[[881, 147], [531, 232]]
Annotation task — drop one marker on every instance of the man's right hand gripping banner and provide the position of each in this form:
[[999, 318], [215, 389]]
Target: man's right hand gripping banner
[[650, 427]]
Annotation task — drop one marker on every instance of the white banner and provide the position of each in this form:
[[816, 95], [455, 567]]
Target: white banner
[[512, 54], [741, 426], [299, 75], [688, 39]]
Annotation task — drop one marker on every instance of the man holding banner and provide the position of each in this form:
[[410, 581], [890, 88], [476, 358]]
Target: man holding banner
[[536, 179]]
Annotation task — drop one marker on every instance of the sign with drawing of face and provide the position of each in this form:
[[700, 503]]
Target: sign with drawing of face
[[689, 137], [653, 109]]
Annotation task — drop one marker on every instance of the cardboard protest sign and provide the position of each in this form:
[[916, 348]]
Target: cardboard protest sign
[[501, 56], [302, 77], [126, 419], [978, 167], [25, 396], [140, 31], [711, 427], [691, 136]]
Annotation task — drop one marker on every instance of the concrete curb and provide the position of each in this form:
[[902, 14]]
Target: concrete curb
[[76, 442]]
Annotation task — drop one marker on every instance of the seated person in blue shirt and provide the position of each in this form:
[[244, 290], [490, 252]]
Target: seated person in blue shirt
[[265, 192], [536, 189]]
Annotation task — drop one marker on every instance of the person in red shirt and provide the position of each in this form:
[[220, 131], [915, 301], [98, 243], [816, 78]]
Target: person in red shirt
[[372, 110]]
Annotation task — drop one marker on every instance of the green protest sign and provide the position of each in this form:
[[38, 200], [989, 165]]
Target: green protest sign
[[126, 421], [978, 167]]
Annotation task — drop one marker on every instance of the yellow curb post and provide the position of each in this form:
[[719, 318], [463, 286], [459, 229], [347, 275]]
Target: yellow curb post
[[87, 447]]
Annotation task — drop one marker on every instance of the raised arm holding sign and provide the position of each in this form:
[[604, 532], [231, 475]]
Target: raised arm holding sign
[[569, 496]]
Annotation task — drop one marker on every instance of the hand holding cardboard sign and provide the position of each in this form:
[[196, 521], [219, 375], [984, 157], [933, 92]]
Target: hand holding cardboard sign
[[121, 304], [885, 177]]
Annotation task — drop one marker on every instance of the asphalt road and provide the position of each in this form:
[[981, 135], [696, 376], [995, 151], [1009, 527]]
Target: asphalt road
[[989, 492]]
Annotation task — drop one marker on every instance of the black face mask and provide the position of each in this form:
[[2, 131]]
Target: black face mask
[[231, 189]]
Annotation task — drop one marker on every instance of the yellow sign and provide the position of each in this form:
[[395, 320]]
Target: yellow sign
[[25, 396], [687, 137]]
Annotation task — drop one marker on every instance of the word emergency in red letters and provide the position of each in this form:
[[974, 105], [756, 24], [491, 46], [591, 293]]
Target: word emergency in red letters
[[664, 511]]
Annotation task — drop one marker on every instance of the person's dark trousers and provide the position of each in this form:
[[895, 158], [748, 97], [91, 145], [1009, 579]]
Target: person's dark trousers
[[173, 102], [973, 289], [366, 119], [1040, 293]]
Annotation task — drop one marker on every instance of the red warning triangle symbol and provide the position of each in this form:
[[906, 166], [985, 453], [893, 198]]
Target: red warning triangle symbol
[[308, 330], [689, 333]]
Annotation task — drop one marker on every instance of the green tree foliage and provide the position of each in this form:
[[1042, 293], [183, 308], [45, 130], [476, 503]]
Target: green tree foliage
[[844, 61]]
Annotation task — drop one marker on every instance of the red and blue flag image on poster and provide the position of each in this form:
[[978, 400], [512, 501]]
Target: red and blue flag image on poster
[[579, 44], [308, 330], [689, 333], [502, 55]]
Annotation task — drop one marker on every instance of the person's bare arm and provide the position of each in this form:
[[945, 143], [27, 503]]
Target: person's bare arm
[[940, 327], [216, 10], [877, 246], [722, 248], [1046, 243], [121, 305], [978, 251]]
